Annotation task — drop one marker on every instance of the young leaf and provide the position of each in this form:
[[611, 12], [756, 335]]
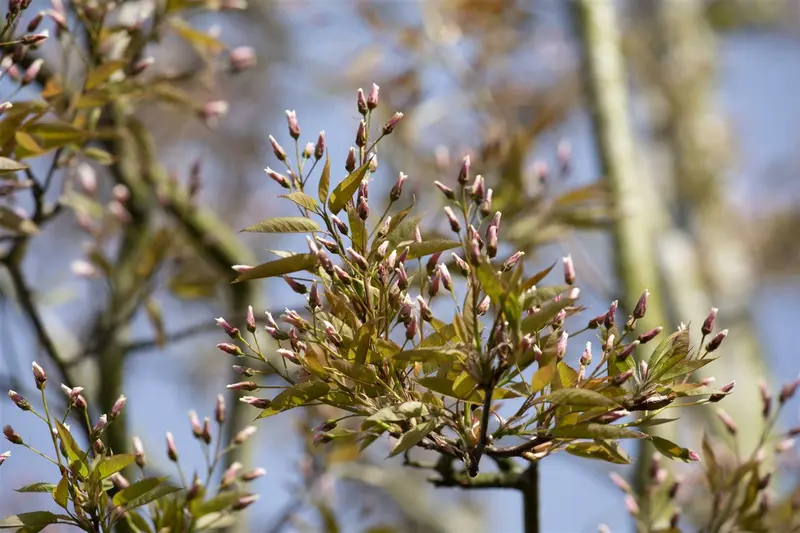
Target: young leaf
[[325, 180], [303, 200], [345, 190], [61, 492], [74, 452], [99, 75], [428, 355], [396, 413], [279, 267], [599, 450], [9, 165], [113, 464], [543, 377], [578, 398], [296, 395], [671, 450], [365, 374], [536, 278], [218, 503], [596, 431], [421, 249], [150, 496], [412, 437], [32, 520], [137, 490], [441, 337], [284, 225], [668, 353], [138, 522], [37, 487], [684, 367], [535, 322]]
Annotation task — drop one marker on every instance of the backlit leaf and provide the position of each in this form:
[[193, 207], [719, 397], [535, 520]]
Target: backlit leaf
[[102, 73], [421, 249], [668, 353], [295, 396], [599, 450], [428, 355], [61, 492], [345, 190], [536, 278], [9, 165], [279, 267], [200, 40], [542, 377], [670, 449], [535, 322], [33, 519], [137, 490], [74, 453], [596, 431], [440, 337], [37, 487], [412, 437], [284, 225], [11, 220], [325, 180], [302, 199], [113, 464], [396, 413], [578, 397]]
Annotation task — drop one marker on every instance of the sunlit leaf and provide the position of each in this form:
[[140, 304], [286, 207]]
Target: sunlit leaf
[[671, 450], [535, 322], [99, 155], [396, 413], [284, 225], [599, 450], [279, 267], [358, 372], [37, 487], [412, 437], [61, 492], [345, 190], [11, 220], [578, 397], [302, 199], [137, 490], [33, 519], [74, 452], [536, 278], [296, 395], [200, 40], [542, 377], [9, 165], [428, 355], [325, 180], [113, 464], [596, 431], [440, 337], [424, 248], [668, 353], [102, 73]]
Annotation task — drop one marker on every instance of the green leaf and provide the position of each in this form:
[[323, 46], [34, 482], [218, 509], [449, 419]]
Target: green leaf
[[684, 367], [137, 490], [668, 353], [596, 431], [279, 267], [284, 225], [428, 355], [74, 453], [414, 436], [421, 249], [203, 42], [150, 496], [99, 155], [671, 450], [9, 165], [398, 218], [358, 230], [345, 190], [439, 338], [138, 522], [37, 487], [113, 464], [543, 376], [535, 322], [218, 503], [653, 422], [33, 519], [55, 134], [102, 73], [491, 284], [536, 278], [303, 200], [396, 413], [325, 180], [577, 397], [358, 372], [61, 492], [599, 450], [11, 220], [464, 390], [295, 396], [216, 521]]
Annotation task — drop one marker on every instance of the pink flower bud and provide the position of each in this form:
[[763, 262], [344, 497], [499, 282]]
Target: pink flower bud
[[433, 288], [631, 505], [294, 126], [612, 311], [641, 305], [561, 345], [451, 218], [708, 323], [319, 148], [617, 480], [280, 179], [213, 111], [363, 208], [391, 124], [254, 474], [460, 263], [242, 58], [717, 340], [785, 445], [116, 409], [243, 385], [35, 38], [244, 502], [397, 190], [724, 390], [4, 456], [586, 358], [244, 434], [402, 277], [219, 410], [447, 191], [19, 401], [361, 102], [627, 350], [787, 391], [649, 335], [475, 252], [569, 269], [39, 375], [138, 451], [229, 348], [141, 65], [463, 173], [231, 473], [411, 329], [491, 241], [622, 378], [478, 189], [250, 320], [512, 261], [486, 206], [372, 99], [230, 330], [277, 149], [314, 301], [172, 451], [361, 134], [5, 106], [307, 151], [341, 226], [197, 429], [642, 370], [260, 403], [11, 435], [33, 25], [350, 162], [206, 433], [101, 424], [483, 306], [32, 71], [447, 280], [424, 311], [728, 422]]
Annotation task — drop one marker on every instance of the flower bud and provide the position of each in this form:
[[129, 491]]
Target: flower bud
[[728, 422], [363, 208], [244, 502], [138, 451], [451, 218], [586, 358], [641, 305], [32, 71], [397, 190], [381, 250], [343, 276], [617, 480], [569, 269], [307, 151], [260, 403], [101, 425], [294, 127], [141, 65], [254, 474], [391, 124], [463, 173], [372, 99], [361, 134], [627, 350], [411, 328], [277, 149], [433, 287], [280, 179], [213, 111], [649, 335], [197, 429], [116, 409], [631, 505], [33, 25], [561, 345], [231, 473], [787, 391], [483, 306], [708, 323], [402, 277], [4, 456], [206, 434], [372, 159], [478, 189], [361, 102], [621, 378], [11, 435], [716, 341], [491, 241], [242, 58], [350, 162], [230, 330], [424, 311], [447, 191], [229, 348], [724, 390], [475, 252], [219, 409], [766, 398], [296, 286], [447, 280], [244, 434], [486, 206], [461, 264], [433, 260], [243, 385], [19, 401], [39, 375], [512, 261]]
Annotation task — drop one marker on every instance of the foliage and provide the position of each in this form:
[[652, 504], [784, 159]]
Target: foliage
[[369, 343], [95, 496]]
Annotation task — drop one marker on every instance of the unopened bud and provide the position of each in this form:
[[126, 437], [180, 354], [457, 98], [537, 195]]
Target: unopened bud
[[478, 189], [512, 261], [231, 473], [612, 311], [260, 403], [11, 435], [138, 451], [206, 434], [483, 306], [411, 328], [244, 502], [243, 385], [391, 124], [363, 208], [447, 191], [343, 276], [35, 38], [397, 190], [486, 205], [254, 474], [447, 281], [280, 179], [561, 345], [19, 401], [4, 456], [461, 264], [622, 378], [314, 301], [451, 218], [33, 25], [230, 330], [361, 102], [787, 391], [244, 434], [172, 451], [627, 350], [213, 111], [361, 134], [641, 305], [586, 358], [716, 341], [197, 429], [350, 162], [491, 241], [100, 426], [294, 127], [372, 99], [424, 310], [219, 410], [463, 173], [341, 226], [708, 323], [569, 269], [649, 335], [39, 375], [277, 149], [141, 65], [229, 348], [617, 480], [242, 58], [116, 409]]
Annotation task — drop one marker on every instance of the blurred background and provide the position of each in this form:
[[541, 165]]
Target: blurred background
[[686, 186]]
